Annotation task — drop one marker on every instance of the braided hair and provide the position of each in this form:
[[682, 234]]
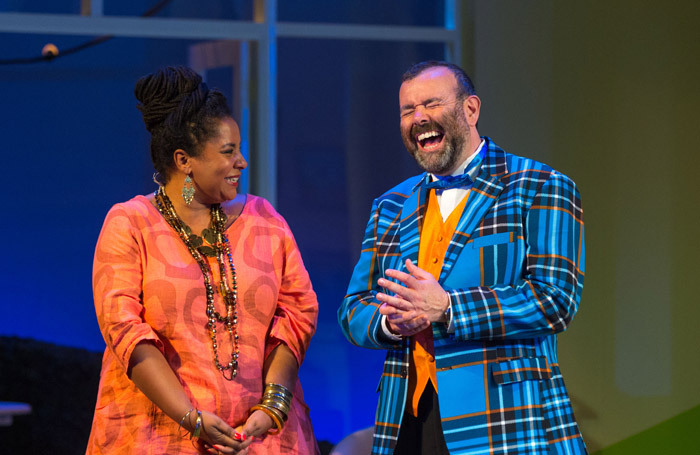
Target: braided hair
[[180, 112]]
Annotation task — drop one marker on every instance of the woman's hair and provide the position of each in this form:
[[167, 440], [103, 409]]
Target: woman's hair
[[180, 112]]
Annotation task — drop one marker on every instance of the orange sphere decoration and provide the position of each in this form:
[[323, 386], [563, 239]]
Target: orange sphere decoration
[[49, 50]]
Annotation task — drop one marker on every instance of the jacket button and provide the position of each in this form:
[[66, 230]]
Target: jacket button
[[404, 373]]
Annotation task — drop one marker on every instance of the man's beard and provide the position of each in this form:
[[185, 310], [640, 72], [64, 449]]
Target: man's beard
[[456, 132]]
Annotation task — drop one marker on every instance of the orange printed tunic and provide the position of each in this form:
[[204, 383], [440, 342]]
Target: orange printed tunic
[[147, 286]]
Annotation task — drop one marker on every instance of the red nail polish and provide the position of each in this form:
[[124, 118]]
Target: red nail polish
[[238, 437]]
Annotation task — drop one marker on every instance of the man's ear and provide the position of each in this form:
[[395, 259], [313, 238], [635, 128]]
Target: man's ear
[[472, 107]]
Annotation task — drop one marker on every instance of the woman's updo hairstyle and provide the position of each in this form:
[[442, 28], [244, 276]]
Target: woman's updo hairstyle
[[180, 112]]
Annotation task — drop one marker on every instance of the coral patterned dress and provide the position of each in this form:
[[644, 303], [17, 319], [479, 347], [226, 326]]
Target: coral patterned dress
[[147, 286]]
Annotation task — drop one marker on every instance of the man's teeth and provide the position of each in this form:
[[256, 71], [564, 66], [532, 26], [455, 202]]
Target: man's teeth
[[424, 136], [232, 179]]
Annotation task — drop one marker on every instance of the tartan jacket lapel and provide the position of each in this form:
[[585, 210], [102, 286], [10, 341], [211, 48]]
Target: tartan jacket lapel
[[411, 222], [483, 195]]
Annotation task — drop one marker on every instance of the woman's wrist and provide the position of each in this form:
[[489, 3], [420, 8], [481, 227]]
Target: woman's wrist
[[191, 422], [197, 429], [276, 403]]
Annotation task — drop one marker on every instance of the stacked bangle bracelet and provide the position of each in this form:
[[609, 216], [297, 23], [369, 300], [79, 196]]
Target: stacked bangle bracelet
[[197, 425], [276, 402]]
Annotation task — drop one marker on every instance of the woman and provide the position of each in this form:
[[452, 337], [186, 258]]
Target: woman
[[201, 296]]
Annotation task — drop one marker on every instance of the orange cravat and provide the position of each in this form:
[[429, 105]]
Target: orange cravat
[[434, 239]]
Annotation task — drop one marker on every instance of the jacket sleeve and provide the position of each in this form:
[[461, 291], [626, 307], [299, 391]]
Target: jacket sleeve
[[358, 315], [116, 283], [546, 297], [294, 322]]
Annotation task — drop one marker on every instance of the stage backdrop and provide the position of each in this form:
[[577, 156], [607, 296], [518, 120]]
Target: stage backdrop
[[604, 91], [74, 145], [607, 93]]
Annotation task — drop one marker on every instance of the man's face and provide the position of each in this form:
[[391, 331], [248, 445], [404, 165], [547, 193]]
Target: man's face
[[434, 128]]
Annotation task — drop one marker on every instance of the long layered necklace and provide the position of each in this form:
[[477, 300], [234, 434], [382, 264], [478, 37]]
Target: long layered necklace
[[223, 254]]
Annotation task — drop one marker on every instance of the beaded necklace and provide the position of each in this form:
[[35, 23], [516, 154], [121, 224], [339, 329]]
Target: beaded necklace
[[230, 296]]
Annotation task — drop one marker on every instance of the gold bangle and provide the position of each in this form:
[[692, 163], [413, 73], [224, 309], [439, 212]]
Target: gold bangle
[[277, 412], [278, 388], [272, 404], [278, 396], [272, 414], [276, 403], [182, 420], [197, 426], [282, 410], [280, 400]]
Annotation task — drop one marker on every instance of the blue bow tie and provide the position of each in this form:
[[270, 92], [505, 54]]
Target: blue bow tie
[[450, 181], [456, 181]]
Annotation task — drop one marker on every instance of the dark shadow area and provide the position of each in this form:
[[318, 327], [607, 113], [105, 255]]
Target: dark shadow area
[[60, 384]]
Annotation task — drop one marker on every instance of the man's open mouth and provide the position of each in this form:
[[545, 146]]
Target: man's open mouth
[[430, 140]]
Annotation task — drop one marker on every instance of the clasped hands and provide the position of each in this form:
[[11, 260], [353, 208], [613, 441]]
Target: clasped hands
[[218, 437], [419, 300]]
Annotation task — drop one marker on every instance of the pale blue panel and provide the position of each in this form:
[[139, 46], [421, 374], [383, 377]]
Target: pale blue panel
[[465, 389]]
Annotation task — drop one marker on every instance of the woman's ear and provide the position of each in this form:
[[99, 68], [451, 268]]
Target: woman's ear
[[182, 161]]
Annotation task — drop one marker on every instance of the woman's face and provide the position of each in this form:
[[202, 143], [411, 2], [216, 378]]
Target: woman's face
[[216, 170]]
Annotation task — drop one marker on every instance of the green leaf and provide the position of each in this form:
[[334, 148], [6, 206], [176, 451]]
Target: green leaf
[[209, 235], [196, 241], [207, 251]]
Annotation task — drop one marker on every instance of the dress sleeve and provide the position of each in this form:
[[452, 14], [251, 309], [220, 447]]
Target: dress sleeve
[[296, 314], [117, 286]]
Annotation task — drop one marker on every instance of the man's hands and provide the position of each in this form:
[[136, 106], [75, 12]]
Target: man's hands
[[419, 300]]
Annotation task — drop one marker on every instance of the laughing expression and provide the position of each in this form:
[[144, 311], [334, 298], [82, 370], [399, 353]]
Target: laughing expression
[[433, 124], [217, 169]]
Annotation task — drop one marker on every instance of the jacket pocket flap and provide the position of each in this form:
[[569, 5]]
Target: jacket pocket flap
[[492, 239], [522, 369]]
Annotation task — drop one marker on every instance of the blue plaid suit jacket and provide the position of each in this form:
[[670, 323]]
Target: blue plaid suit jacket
[[514, 271]]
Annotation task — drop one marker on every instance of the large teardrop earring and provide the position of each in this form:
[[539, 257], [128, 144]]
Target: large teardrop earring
[[188, 190]]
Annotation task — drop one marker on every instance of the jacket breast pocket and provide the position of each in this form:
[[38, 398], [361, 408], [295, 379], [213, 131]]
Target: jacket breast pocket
[[500, 257], [488, 260]]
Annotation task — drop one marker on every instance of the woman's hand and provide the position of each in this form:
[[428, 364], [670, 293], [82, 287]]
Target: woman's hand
[[217, 435], [257, 425]]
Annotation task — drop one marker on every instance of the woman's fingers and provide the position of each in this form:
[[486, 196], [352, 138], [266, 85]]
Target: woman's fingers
[[257, 424], [220, 435]]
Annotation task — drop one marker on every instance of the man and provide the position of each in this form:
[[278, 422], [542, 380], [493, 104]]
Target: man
[[466, 275]]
